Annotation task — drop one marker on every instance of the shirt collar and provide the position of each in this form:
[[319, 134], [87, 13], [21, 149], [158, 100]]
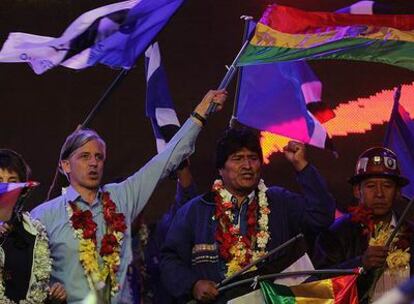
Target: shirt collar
[[248, 199], [72, 195], [251, 196], [393, 222]]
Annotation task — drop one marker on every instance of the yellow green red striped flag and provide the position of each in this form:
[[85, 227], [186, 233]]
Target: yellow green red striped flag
[[338, 290], [286, 33]]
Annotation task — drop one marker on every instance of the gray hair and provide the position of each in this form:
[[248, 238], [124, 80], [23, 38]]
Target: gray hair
[[76, 140]]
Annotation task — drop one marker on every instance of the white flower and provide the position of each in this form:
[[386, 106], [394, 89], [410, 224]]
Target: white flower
[[263, 221], [237, 251]]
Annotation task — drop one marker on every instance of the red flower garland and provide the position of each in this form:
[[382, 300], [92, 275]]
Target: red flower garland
[[115, 222], [363, 215], [83, 220], [228, 235]]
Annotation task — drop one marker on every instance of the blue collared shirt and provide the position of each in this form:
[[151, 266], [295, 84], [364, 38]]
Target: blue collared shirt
[[130, 197]]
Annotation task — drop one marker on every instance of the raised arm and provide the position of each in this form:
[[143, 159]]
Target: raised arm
[[314, 210], [135, 191]]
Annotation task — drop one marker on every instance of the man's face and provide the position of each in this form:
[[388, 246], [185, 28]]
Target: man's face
[[241, 172], [378, 194], [85, 165], [7, 176]]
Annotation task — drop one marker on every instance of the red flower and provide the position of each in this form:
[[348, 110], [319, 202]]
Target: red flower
[[227, 235], [109, 242], [251, 219], [117, 222], [227, 205], [83, 220], [234, 230], [364, 216], [108, 204], [90, 232]]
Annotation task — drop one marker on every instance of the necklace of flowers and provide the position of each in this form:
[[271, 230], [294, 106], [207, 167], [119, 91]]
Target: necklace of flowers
[[41, 269], [85, 231], [379, 233], [240, 250], [364, 216]]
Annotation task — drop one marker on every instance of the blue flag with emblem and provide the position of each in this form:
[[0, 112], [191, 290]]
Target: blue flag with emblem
[[159, 104]]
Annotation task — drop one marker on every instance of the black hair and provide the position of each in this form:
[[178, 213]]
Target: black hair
[[234, 140], [14, 162]]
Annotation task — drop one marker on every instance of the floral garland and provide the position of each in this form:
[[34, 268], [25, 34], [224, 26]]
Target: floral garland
[[379, 233], [238, 250], [85, 231], [364, 216], [41, 269]]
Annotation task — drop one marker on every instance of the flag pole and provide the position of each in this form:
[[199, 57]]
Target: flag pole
[[290, 274], [246, 36], [397, 96], [105, 97], [91, 115], [255, 262], [231, 71], [399, 223]]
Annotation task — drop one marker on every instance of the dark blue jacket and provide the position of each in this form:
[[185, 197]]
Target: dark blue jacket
[[190, 250], [156, 240]]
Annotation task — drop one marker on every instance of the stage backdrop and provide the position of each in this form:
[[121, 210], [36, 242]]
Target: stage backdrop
[[38, 112]]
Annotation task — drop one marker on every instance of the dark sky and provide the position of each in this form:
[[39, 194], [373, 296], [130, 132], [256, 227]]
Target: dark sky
[[38, 112]]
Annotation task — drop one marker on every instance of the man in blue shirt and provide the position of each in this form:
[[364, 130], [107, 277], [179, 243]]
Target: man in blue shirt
[[89, 226], [216, 234]]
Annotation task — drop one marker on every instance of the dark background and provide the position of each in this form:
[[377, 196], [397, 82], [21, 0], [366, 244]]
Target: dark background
[[38, 112]]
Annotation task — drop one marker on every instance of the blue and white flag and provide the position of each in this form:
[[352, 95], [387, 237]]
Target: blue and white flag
[[10, 187], [72, 49], [114, 35], [159, 104], [143, 23]]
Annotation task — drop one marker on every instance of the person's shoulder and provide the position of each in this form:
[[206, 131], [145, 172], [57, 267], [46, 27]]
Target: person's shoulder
[[202, 201], [341, 229], [343, 223], [271, 190], [48, 209], [198, 204], [276, 194]]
